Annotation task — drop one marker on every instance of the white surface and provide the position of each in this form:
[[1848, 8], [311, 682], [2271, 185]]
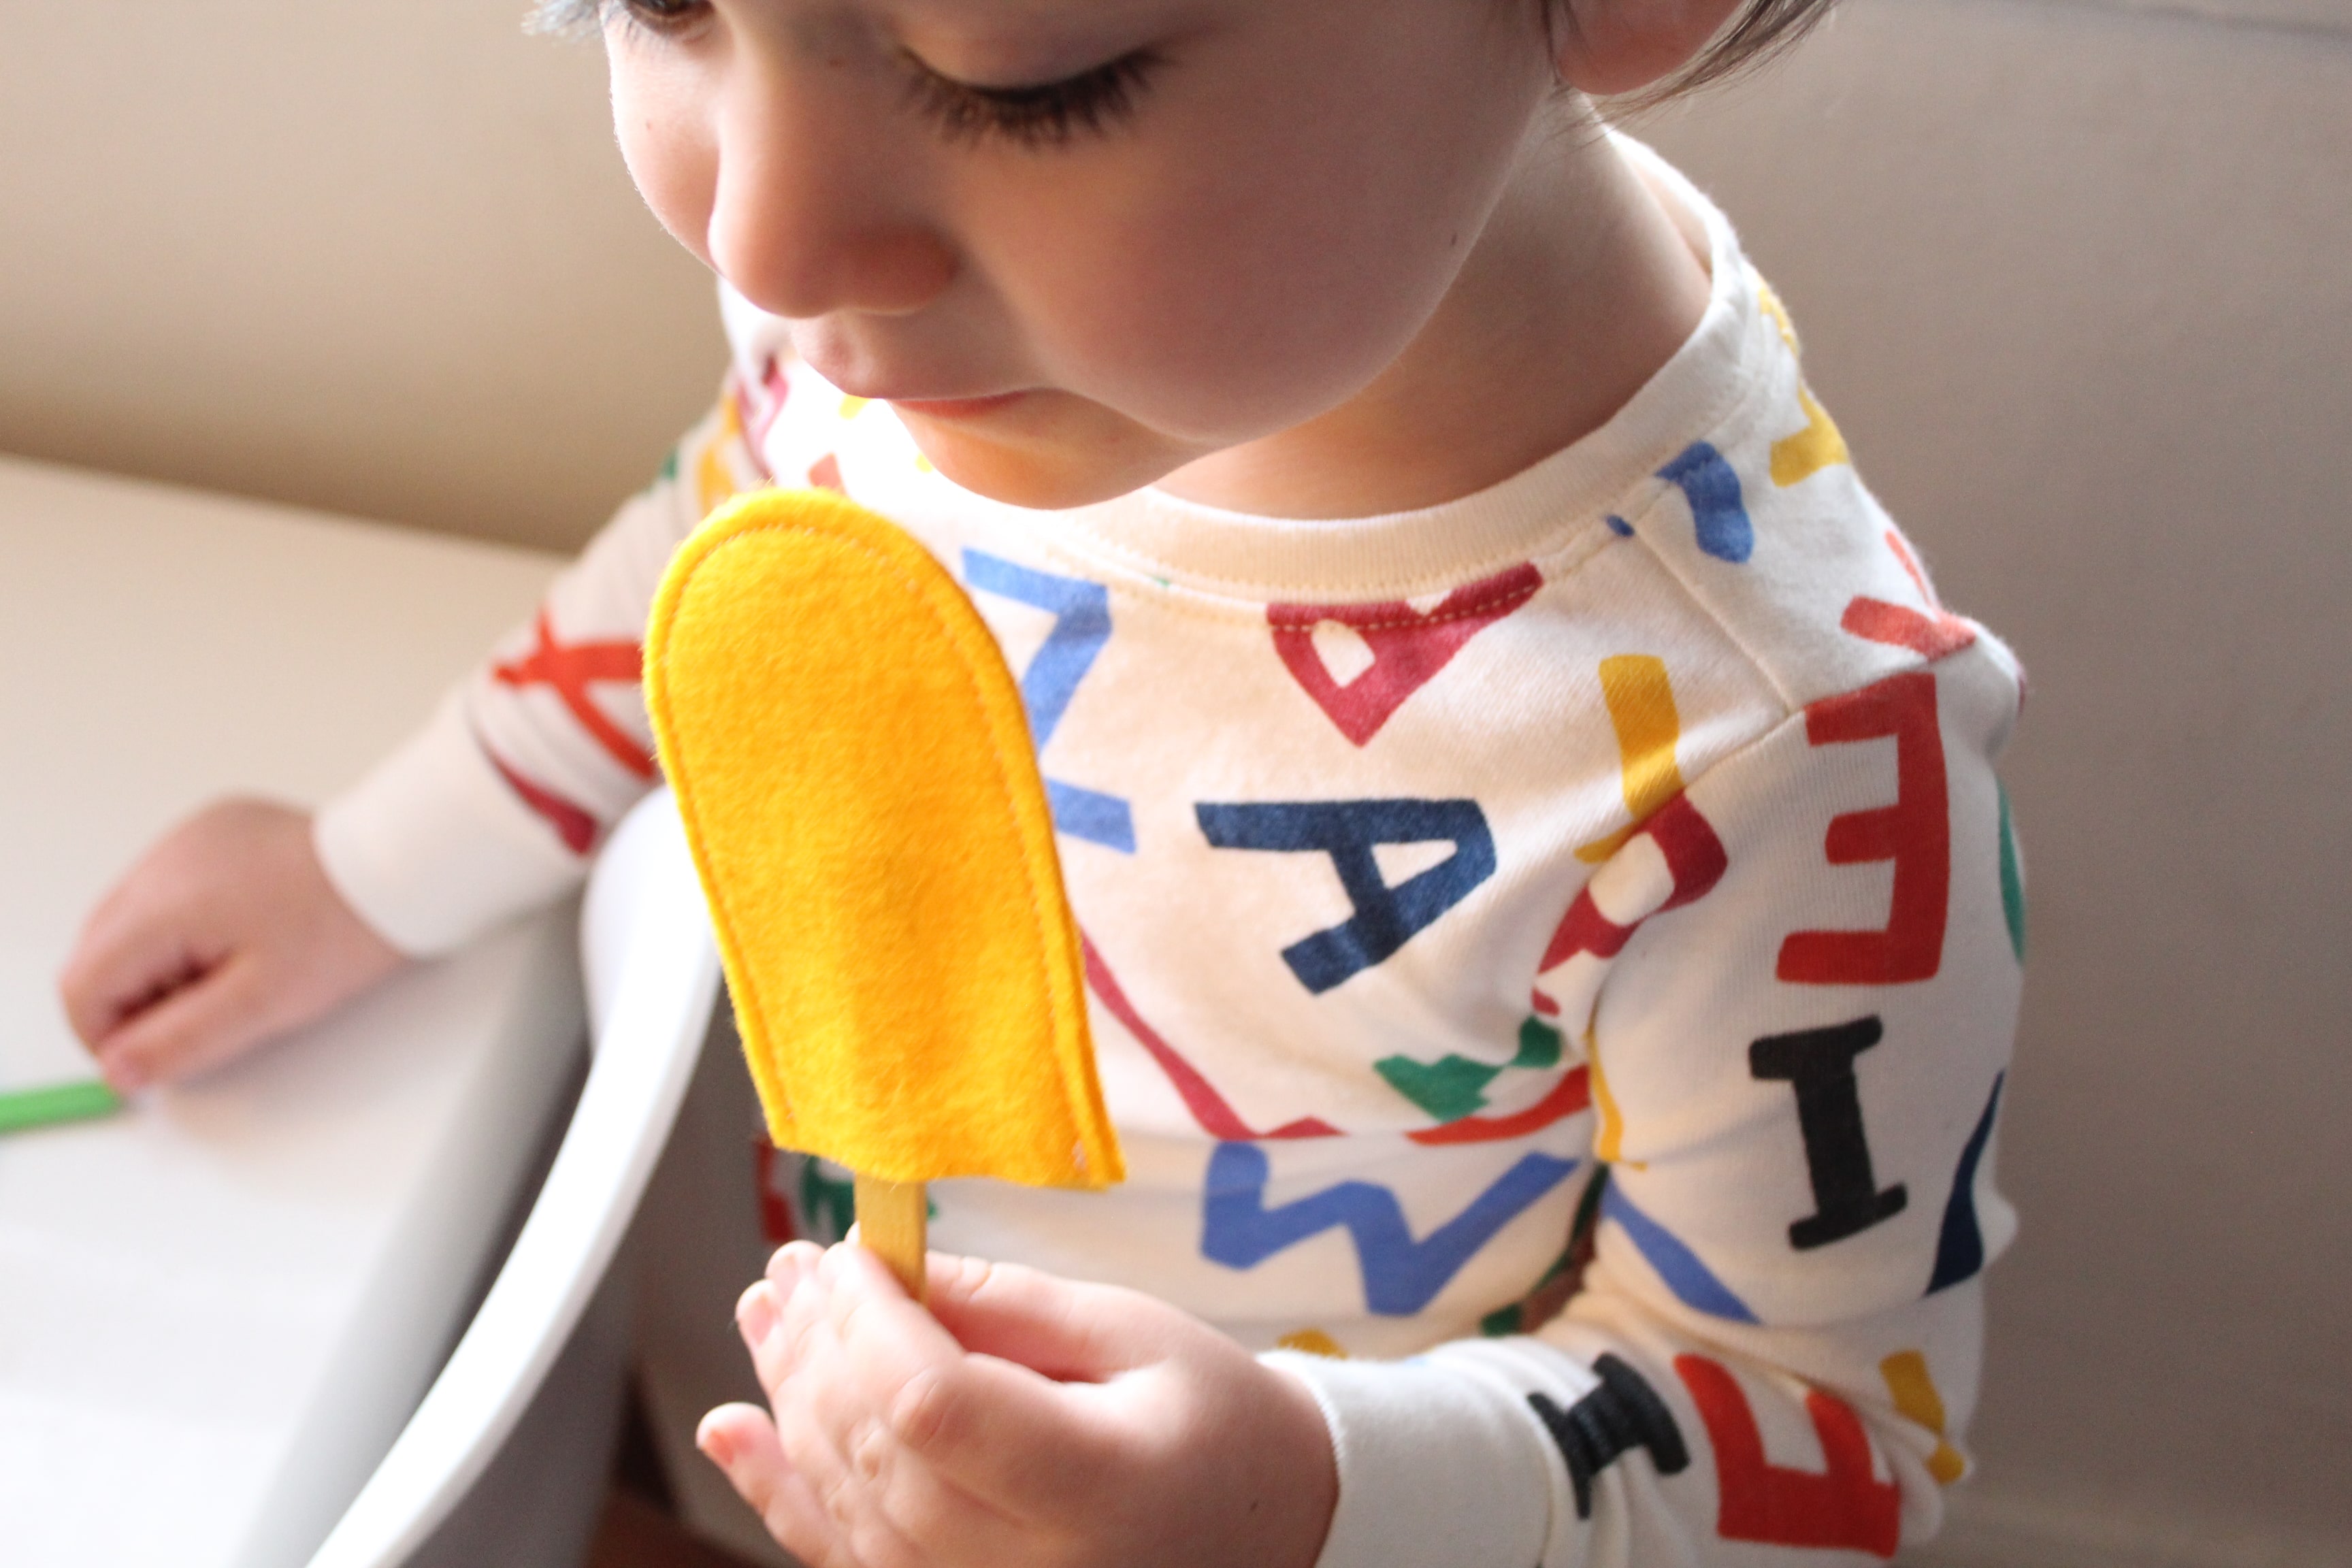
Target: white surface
[[653, 970], [215, 1311]]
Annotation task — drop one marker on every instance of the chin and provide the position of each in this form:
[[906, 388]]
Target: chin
[[1072, 462]]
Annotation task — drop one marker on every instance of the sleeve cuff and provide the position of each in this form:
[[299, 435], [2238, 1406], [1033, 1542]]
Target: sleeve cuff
[[1435, 1466], [432, 848]]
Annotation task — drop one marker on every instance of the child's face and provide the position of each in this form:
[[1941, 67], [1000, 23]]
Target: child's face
[[1082, 243]]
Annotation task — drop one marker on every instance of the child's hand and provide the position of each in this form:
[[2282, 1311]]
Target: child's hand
[[226, 933], [1031, 1421]]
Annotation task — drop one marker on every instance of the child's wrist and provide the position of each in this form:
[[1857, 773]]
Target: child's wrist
[[1429, 1465], [1310, 1491]]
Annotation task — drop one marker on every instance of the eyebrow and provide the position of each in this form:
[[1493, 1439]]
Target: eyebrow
[[564, 17]]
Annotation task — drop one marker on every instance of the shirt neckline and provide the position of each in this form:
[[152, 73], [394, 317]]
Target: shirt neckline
[[1405, 554]]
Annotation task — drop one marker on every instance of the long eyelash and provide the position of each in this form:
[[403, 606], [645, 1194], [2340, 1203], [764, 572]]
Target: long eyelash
[[1047, 114]]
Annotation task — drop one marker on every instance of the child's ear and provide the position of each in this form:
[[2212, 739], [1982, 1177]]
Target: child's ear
[[1605, 46]]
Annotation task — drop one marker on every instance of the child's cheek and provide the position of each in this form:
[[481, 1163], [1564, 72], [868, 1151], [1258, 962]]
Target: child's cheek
[[1221, 318]]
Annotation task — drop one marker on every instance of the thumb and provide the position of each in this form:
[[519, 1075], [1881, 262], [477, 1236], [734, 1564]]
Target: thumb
[[1019, 1423], [1064, 1330]]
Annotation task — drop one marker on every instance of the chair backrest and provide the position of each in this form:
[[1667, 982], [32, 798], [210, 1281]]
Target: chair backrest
[[653, 978]]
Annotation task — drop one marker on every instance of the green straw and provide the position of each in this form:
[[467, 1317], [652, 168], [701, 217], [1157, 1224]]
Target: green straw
[[28, 1108]]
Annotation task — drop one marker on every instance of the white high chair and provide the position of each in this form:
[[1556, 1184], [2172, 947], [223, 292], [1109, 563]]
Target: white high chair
[[653, 980]]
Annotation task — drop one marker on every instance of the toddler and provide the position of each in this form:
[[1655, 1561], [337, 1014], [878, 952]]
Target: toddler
[[1532, 824]]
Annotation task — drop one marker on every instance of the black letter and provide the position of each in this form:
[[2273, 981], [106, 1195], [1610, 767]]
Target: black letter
[[1621, 1414], [1818, 1065]]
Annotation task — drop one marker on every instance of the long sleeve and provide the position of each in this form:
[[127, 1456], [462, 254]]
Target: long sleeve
[[1796, 987], [495, 806]]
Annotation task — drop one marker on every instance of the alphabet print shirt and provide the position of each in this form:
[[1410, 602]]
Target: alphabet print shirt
[[1613, 855]]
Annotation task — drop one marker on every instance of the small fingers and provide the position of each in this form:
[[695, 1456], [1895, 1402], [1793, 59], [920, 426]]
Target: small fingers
[[741, 1441], [211, 1018], [838, 1346], [224, 933], [792, 1262], [811, 1388], [941, 1522], [894, 1509], [1000, 1433], [1068, 1330], [118, 968], [833, 1331], [847, 1463], [891, 1333], [179, 909], [760, 1310], [779, 1315]]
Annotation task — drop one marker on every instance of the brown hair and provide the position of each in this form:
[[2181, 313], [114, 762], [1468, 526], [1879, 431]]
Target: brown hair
[[1761, 30], [1758, 32]]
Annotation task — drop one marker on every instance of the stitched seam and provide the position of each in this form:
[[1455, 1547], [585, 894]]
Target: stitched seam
[[1005, 793], [1555, 564], [1471, 611], [1251, 596], [1707, 612]]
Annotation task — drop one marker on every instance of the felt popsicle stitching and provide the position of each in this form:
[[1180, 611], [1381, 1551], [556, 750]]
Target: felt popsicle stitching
[[852, 763]]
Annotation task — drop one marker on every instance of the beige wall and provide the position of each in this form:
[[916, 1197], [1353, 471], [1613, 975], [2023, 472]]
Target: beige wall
[[2077, 283], [2076, 279], [372, 255]]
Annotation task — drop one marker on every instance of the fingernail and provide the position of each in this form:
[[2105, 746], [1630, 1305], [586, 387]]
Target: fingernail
[[790, 1266], [755, 1314], [715, 1448], [857, 1270]]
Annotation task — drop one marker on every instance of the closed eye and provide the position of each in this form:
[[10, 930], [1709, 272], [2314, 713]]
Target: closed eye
[[1040, 114]]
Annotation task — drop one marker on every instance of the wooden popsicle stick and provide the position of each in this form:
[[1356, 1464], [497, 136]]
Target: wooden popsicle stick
[[892, 1222]]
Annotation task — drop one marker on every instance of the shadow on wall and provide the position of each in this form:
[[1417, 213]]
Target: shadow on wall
[[378, 257]]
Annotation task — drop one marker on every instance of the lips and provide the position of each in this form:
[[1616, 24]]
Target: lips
[[956, 408], [874, 373]]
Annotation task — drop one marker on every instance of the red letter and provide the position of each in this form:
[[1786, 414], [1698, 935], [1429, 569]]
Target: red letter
[[775, 1214], [1915, 833], [1842, 1506]]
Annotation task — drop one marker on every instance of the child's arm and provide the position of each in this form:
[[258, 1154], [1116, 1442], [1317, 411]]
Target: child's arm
[[226, 933], [1021, 1419], [1797, 1059], [251, 920]]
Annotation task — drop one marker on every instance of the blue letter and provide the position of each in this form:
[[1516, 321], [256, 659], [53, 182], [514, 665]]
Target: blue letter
[[1345, 831], [1081, 626]]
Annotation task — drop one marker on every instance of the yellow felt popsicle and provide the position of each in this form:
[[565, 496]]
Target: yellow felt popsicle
[[852, 762]]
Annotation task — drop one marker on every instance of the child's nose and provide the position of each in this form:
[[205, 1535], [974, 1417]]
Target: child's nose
[[810, 216]]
